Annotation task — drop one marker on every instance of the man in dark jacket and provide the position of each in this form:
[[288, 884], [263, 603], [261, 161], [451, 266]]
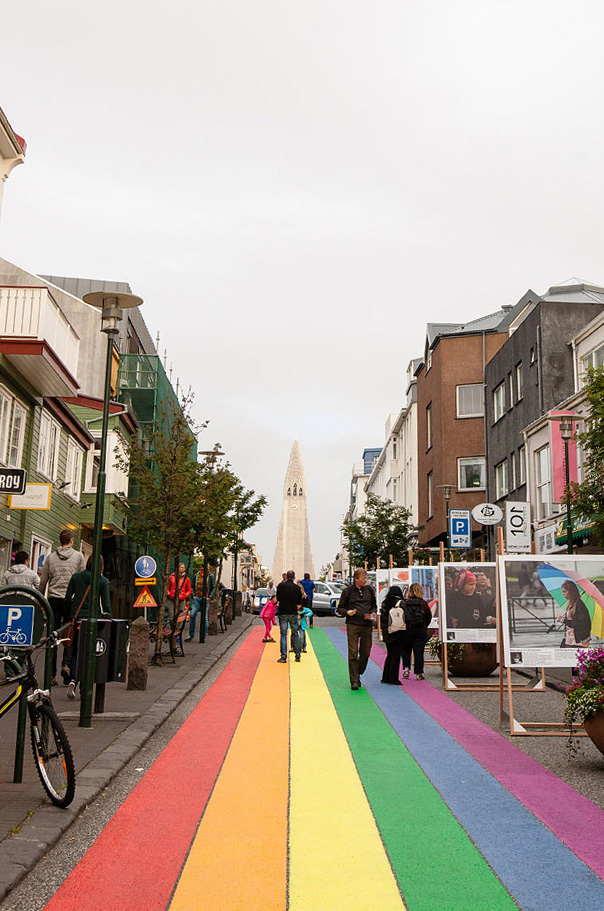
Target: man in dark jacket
[[289, 596], [359, 605]]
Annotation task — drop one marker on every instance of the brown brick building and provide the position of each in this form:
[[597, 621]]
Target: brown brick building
[[450, 418]]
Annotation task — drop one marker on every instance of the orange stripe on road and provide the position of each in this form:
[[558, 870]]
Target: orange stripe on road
[[238, 860]]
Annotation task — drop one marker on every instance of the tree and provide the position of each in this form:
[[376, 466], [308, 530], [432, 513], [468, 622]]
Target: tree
[[383, 530], [247, 509], [588, 497], [165, 491]]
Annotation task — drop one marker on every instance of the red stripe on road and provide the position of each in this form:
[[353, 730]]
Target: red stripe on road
[[136, 860]]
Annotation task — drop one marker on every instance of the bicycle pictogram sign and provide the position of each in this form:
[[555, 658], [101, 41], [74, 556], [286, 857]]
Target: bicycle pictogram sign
[[16, 624]]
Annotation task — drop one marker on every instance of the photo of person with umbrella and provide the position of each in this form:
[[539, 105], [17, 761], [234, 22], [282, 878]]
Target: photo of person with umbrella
[[576, 618]]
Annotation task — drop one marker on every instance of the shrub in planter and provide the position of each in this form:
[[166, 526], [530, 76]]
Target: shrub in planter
[[585, 698]]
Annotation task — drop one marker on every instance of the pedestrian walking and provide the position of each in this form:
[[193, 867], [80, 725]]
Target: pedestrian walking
[[305, 618], [269, 609], [309, 588], [358, 604], [20, 573], [77, 600], [289, 596], [392, 631], [271, 589], [177, 599], [196, 602], [58, 568], [418, 618]]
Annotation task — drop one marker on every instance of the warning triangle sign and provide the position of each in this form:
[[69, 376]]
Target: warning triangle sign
[[145, 599]]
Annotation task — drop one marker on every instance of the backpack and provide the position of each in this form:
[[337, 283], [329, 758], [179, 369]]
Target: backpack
[[414, 613], [396, 618]]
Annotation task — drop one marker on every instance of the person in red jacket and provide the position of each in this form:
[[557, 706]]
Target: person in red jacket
[[184, 591]]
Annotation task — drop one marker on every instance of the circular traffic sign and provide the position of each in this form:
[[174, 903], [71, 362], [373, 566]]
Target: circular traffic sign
[[145, 567], [487, 514]]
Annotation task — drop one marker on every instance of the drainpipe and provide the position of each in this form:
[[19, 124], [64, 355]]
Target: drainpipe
[[539, 377]]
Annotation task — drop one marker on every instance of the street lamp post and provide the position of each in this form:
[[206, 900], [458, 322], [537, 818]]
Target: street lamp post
[[111, 307], [567, 429], [447, 490]]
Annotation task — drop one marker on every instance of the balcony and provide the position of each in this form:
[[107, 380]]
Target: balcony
[[37, 338]]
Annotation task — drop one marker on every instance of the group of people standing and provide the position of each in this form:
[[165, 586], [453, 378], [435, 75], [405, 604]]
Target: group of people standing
[[401, 644], [291, 603]]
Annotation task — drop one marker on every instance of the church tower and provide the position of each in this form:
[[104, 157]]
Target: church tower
[[293, 550]]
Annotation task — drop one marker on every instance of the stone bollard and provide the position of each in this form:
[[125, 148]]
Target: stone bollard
[[238, 603], [138, 655], [213, 607]]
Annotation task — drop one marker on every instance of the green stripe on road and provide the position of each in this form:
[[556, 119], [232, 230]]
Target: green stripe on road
[[437, 866]]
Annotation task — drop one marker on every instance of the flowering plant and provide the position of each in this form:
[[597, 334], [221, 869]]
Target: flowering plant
[[586, 695]]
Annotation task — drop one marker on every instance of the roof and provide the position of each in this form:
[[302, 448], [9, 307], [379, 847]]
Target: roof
[[575, 291], [489, 323], [78, 287]]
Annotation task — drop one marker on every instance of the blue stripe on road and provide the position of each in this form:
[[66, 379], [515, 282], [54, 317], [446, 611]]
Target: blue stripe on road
[[539, 871]]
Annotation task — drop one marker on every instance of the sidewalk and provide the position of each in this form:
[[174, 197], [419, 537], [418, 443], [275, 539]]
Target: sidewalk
[[29, 824]]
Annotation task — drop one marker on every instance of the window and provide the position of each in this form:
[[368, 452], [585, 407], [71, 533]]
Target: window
[[512, 485], [429, 426], [595, 358], [430, 494], [394, 449], [512, 390], [470, 401], [522, 465], [117, 477], [543, 478], [471, 473], [501, 479], [48, 446], [73, 470], [394, 490], [12, 429], [498, 402], [519, 381]]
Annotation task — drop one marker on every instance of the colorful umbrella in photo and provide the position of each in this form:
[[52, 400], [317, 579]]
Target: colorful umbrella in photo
[[552, 578]]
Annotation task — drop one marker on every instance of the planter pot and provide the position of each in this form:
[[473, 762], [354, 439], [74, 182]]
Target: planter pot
[[594, 726], [474, 662]]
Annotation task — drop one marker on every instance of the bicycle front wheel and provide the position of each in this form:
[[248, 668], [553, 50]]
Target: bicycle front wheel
[[52, 755]]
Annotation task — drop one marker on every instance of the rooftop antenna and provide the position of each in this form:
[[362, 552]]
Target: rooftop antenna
[[177, 386], [170, 374], [157, 342], [165, 358]]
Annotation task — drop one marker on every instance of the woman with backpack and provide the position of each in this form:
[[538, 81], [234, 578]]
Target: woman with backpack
[[392, 621], [418, 617]]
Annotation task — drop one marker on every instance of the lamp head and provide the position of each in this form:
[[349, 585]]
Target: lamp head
[[111, 305]]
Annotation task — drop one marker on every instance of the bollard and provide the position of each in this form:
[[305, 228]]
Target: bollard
[[138, 657], [213, 607], [238, 603], [230, 610]]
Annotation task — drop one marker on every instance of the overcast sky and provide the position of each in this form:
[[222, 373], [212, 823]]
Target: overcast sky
[[295, 189]]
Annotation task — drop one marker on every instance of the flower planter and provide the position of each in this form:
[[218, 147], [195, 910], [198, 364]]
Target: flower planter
[[594, 726], [475, 661]]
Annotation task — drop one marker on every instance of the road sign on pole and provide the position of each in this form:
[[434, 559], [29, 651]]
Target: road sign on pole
[[145, 566], [517, 527], [145, 599], [16, 624], [460, 528]]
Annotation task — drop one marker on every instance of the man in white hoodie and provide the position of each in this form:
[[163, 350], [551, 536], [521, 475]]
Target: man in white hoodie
[[58, 569], [20, 573]]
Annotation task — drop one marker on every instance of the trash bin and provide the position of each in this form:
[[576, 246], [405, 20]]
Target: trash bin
[[118, 651], [103, 643]]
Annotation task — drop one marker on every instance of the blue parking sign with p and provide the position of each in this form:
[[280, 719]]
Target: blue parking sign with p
[[460, 528], [16, 624]]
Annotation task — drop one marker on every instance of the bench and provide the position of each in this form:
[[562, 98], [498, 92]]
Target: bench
[[172, 634], [222, 611]]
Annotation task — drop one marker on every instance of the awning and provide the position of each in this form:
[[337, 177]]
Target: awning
[[582, 528]]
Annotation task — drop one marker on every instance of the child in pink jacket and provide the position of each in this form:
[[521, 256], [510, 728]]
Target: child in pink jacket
[[268, 615]]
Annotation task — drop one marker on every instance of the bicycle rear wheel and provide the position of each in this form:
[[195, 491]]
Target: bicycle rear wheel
[[52, 755]]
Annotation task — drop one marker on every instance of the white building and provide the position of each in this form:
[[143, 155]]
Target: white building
[[394, 476]]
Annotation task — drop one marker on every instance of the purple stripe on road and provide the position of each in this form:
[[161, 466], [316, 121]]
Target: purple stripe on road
[[574, 819]]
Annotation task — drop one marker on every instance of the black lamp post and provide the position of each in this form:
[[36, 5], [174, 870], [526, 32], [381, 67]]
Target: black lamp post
[[567, 429], [111, 307], [447, 490]]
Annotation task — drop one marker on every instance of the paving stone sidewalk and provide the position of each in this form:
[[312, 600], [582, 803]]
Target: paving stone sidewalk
[[29, 824]]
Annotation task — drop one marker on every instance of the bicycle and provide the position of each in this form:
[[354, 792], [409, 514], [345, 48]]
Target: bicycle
[[51, 748]]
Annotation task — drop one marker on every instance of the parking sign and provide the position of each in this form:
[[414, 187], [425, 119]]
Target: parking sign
[[460, 528], [16, 624]]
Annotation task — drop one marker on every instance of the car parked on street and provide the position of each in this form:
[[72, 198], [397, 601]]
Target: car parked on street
[[261, 596], [326, 598]]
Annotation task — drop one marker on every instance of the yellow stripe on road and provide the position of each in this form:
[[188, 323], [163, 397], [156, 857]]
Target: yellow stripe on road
[[336, 856], [238, 860]]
